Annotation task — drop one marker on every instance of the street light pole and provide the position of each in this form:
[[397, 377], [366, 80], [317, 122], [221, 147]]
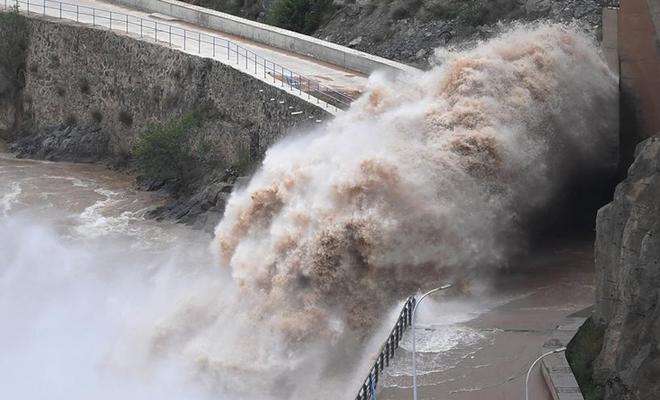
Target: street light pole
[[529, 371], [412, 323]]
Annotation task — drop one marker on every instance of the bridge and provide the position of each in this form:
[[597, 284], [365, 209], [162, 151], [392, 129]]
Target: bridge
[[319, 72]]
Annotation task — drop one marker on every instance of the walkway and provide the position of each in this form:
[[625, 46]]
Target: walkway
[[480, 350], [328, 85]]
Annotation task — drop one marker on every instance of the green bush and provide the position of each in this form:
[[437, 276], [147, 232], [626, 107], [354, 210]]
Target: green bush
[[299, 15], [162, 151], [13, 44]]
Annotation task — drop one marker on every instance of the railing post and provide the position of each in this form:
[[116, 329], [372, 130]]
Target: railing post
[[28, 7], [77, 13], [126, 23], [214, 46], [60, 10], [185, 36], [199, 43], [228, 56], [170, 31], [93, 16]]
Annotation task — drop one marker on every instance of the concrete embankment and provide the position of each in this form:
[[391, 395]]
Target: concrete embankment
[[269, 35], [87, 94]]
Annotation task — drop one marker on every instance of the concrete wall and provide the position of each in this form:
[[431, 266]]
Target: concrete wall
[[639, 55], [640, 62], [261, 33]]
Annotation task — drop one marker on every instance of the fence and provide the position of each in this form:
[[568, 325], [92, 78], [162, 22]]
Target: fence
[[190, 41], [368, 389]]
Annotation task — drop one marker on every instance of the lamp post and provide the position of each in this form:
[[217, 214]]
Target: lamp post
[[412, 323], [529, 371]]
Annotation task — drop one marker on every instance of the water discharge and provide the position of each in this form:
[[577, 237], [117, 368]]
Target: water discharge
[[427, 178], [424, 179]]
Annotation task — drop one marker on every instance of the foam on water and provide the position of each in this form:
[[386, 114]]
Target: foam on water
[[9, 198]]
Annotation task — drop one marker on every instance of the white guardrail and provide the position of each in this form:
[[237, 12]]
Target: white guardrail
[[193, 42]]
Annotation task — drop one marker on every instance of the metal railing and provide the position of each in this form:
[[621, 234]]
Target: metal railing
[[368, 389], [190, 41]]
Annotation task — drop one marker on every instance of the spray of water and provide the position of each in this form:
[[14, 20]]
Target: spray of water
[[425, 177]]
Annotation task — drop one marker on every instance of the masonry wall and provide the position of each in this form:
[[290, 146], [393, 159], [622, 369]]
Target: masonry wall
[[94, 92]]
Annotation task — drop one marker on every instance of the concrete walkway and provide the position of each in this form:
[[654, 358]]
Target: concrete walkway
[[481, 349], [275, 66]]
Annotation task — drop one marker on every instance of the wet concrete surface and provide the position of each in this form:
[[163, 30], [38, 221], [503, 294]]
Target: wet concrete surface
[[485, 353]]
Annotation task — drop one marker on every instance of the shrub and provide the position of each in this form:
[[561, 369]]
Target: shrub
[[70, 120], [299, 15], [404, 9], [126, 118], [84, 85], [162, 151], [97, 116], [581, 354]]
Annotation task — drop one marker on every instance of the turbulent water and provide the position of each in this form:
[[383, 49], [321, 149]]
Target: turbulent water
[[426, 178]]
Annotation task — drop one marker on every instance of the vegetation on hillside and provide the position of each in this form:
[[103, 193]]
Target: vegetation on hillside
[[303, 16], [581, 354], [163, 150]]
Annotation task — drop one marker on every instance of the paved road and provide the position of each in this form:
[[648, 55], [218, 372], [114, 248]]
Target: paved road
[[269, 64], [480, 350]]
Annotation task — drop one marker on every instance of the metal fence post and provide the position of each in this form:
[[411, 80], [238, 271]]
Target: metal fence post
[[126, 23], [184, 38], [141, 28], [77, 13], [60, 10], [28, 7], [93, 16], [214, 46], [228, 50], [170, 31], [199, 43]]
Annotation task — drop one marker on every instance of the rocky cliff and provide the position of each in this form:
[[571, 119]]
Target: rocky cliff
[[628, 282], [409, 31], [88, 94]]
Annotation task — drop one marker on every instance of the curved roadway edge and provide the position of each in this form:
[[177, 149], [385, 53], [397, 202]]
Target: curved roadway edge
[[38, 9], [294, 42], [556, 371]]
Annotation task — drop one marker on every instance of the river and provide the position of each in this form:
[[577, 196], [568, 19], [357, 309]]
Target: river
[[87, 282]]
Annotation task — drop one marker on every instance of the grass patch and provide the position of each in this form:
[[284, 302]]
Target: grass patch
[[162, 152], [302, 16], [581, 353]]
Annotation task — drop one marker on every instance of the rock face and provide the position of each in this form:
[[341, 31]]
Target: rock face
[[89, 93], [628, 282], [409, 31]]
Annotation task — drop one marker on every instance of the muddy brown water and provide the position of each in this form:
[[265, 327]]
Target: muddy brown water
[[474, 347]]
